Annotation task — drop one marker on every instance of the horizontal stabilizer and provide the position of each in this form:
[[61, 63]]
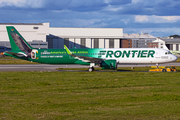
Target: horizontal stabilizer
[[19, 54]]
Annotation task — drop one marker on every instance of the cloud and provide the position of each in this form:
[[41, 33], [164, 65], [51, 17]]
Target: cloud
[[18, 3], [123, 7], [160, 15], [157, 32], [21, 3], [141, 18], [156, 19], [136, 1]]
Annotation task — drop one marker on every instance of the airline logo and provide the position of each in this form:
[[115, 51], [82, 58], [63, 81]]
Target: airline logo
[[127, 54]]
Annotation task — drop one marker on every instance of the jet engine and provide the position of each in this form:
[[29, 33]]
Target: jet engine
[[108, 64]]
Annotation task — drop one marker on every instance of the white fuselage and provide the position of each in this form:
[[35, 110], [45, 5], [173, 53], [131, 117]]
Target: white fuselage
[[140, 55]]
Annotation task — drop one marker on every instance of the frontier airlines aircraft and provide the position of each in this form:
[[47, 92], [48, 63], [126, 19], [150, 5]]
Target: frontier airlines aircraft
[[105, 58]]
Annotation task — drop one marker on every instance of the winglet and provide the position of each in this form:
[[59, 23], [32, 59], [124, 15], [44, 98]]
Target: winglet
[[67, 50]]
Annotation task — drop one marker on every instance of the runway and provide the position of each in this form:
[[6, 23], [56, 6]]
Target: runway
[[46, 67]]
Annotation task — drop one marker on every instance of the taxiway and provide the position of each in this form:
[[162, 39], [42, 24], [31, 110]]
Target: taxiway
[[46, 67]]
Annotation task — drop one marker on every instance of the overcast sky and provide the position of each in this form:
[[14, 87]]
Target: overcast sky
[[157, 17]]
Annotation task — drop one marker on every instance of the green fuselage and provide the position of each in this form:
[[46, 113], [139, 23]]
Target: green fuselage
[[60, 56]]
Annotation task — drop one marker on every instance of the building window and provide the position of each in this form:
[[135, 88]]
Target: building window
[[36, 27], [66, 42], [177, 47], [83, 42], [111, 43], [96, 43]]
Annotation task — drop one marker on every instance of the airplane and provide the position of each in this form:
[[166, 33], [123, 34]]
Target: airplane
[[107, 58]]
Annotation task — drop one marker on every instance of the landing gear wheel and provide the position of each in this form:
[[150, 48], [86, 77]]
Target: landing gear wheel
[[164, 70], [91, 69]]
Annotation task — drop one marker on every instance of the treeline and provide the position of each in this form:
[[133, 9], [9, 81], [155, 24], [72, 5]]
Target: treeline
[[175, 36]]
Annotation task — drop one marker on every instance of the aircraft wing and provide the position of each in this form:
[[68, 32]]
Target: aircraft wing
[[84, 58], [19, 54]]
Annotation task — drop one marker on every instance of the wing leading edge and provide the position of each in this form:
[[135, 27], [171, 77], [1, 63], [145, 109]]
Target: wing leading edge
[[84, 58]]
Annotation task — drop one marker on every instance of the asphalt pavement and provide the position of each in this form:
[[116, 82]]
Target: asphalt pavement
[[47, 67]]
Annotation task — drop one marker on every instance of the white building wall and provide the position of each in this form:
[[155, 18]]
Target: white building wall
[[106, 43], [101, 43], [88, 32], [88, 43], [116, 43], [78, 43], [27, 31], [92, 43], [174, 47]]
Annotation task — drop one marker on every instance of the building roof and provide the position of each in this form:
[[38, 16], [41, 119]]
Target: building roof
[[136, 35], [21, 23], [171, 40]]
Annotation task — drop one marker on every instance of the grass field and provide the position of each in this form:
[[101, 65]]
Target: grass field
[[10, 60], [84, 95]]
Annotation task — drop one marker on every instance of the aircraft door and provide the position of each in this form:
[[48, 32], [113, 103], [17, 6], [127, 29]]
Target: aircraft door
[[33, 54], [158, 54]]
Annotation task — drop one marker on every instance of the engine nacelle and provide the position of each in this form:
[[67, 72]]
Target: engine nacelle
[[108, 64]]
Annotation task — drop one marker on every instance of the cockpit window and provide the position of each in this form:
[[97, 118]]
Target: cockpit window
[[170, 52], [166, 53]]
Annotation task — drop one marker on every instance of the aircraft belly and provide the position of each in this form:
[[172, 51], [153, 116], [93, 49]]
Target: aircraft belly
[[143, 61], [134, 61]]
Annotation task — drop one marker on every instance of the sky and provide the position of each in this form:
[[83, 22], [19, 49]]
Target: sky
[[160, 18]]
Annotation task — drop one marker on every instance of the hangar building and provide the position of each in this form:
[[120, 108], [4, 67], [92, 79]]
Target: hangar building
[[40, 35], [85, 37], [34, 33], [140, 40], [172, 44]]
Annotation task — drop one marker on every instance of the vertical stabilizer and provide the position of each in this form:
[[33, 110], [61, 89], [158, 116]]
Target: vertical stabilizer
[[17, 41]]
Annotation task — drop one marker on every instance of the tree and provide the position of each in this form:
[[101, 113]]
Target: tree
[[175, 36]]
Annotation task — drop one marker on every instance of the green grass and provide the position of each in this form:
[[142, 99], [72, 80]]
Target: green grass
[[84, 95], [178, 60], [10, 60], [119, 69]]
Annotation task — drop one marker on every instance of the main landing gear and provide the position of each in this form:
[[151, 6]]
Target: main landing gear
[[91, 68]]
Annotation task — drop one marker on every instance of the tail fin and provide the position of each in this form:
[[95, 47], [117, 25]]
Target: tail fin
[[17, 41]]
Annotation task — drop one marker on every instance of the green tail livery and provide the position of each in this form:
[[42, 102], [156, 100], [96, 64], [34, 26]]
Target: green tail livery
[[104, 57]]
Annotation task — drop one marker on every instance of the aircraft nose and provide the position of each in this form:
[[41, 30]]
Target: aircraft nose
[[174, 57]]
